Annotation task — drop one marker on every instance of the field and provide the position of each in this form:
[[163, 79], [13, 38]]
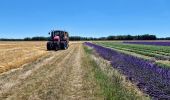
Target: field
[[156, 53], [85, 71], [144, 65], [55, 75], [15, 54]]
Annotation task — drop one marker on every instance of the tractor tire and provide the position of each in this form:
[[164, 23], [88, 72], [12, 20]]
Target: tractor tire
[[62, 46], [49, 46]]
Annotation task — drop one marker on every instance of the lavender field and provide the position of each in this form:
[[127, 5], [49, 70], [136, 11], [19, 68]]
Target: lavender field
[[150, 77]]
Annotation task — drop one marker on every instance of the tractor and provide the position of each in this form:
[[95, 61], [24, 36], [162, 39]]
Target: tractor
[[59, 40]]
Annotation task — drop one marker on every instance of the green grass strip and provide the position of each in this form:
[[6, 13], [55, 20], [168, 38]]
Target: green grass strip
[[112, 87]]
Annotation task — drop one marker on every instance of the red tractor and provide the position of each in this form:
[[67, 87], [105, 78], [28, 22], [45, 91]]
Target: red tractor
[[58, 40]]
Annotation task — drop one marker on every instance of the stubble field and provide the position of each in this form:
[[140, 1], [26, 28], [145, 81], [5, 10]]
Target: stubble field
[[15, 54], [38, 74]]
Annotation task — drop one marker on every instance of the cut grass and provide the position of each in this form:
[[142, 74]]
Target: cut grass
[[112, 83]]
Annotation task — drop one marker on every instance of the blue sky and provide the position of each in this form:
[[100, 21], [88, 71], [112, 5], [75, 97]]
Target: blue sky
[[91, 18]]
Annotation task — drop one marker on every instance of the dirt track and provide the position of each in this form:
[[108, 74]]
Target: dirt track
[[60, 75]]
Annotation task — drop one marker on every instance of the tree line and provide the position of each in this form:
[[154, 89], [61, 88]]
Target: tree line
[[78, 38]]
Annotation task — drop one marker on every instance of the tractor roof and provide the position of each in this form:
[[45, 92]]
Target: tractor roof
[[58, 31]]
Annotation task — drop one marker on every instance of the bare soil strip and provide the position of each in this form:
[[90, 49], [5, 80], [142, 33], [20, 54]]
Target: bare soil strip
[[60, 76]]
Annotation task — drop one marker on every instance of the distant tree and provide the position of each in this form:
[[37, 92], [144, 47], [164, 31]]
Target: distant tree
[[129, 37], [147, 37], [78, 38], [27, 39], [39, 38], [168, 38], [101, 38]]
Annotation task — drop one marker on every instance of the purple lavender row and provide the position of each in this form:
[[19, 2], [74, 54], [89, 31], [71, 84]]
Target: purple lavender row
[[150, 43], [150, 78]]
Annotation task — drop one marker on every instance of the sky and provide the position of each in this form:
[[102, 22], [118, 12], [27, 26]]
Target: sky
[[89, 18]]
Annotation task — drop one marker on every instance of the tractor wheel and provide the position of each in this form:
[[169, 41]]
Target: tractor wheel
[[62, 46], [49, 46]]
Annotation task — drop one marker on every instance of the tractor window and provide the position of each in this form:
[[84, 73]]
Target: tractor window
[[56, 33], [61, 34]]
